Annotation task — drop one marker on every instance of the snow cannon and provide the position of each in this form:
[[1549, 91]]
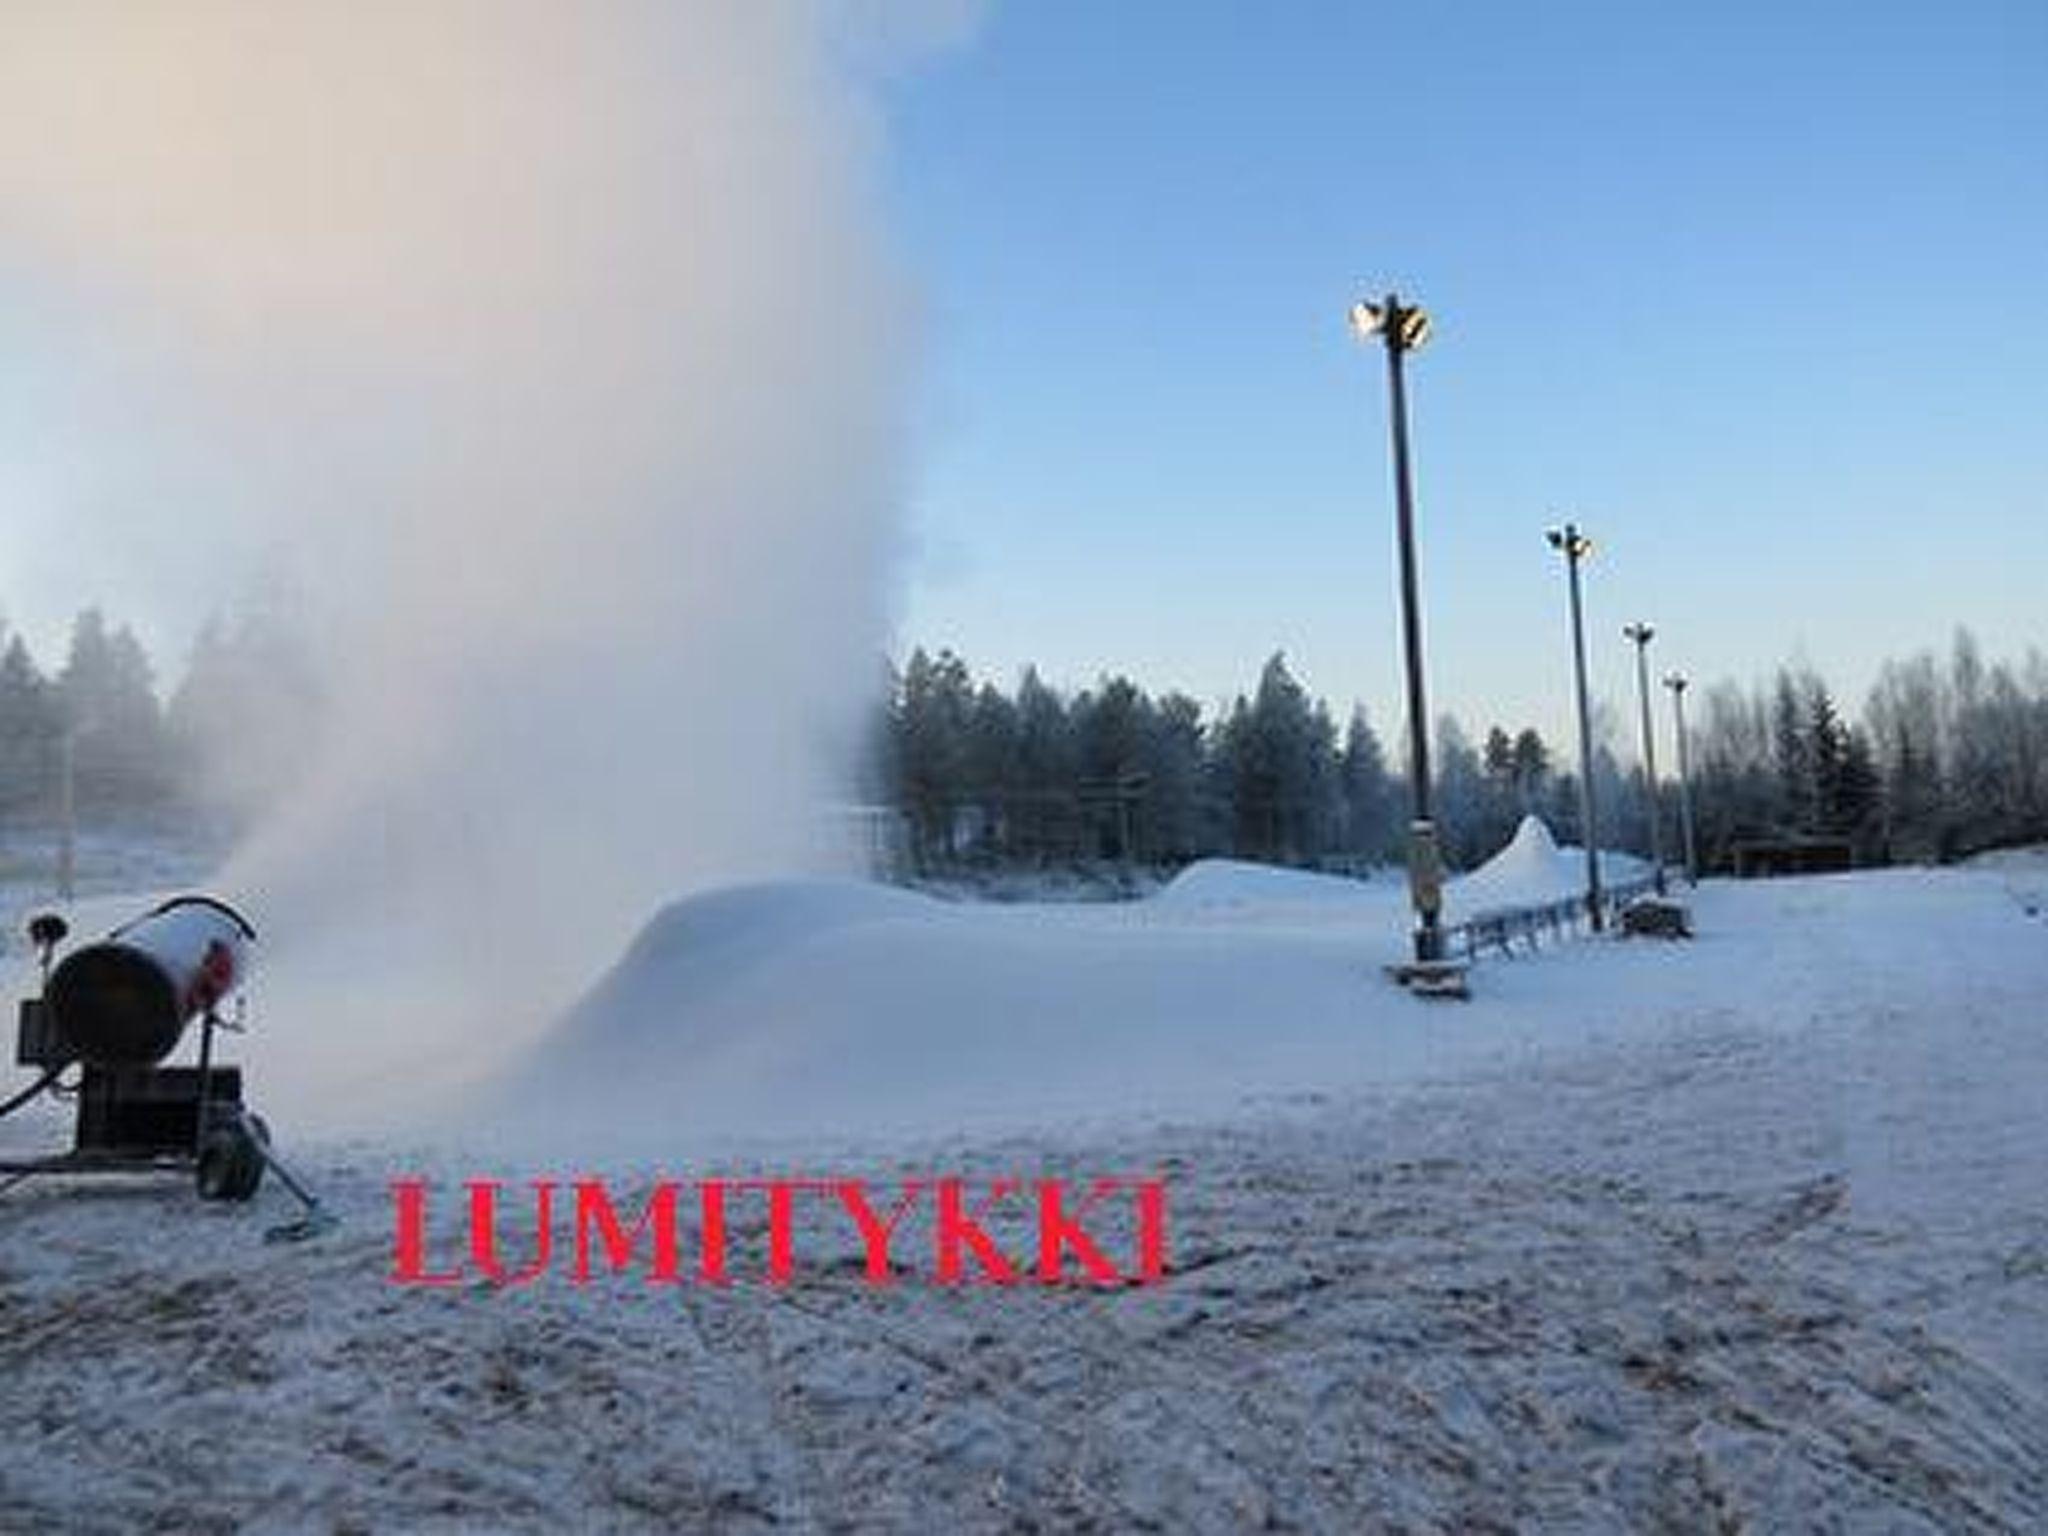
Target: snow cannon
[[112, 1011], [127, 999]]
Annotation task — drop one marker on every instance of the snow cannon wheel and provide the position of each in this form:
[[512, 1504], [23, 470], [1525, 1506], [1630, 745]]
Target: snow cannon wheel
[[230, 1163]]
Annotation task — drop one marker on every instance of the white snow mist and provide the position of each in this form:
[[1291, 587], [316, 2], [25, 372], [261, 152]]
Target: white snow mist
[[551, 351]]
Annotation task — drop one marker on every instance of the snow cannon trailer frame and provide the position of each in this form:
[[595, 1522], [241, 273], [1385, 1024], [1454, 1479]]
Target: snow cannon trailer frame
[[114, 1009]]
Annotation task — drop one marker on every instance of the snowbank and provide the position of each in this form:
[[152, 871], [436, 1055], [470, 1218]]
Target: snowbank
[[2024, 874], [850, 1007], [792, 1005], [1233, 883], [1533, 868], [697, 948]]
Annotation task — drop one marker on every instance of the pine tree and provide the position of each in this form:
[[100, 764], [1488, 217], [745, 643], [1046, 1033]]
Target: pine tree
[[1043, 807], [1789, 746], [1368, 793], [1277, 756], [1532, 767], [1825, 751], [1322, 791], [1461, 795], [1905, 711], [1504, 802], [931, 752], [1974, 788], [1859, 802], [1112, 729], [110, 707], [990, 766], [1172, 819], [29, 725], [1498, 759]]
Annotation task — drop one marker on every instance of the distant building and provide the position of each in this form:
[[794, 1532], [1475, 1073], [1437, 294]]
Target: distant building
[[1761, 857]]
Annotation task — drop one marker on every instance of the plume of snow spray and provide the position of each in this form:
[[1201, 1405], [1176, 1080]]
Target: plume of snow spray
[[553, 351]]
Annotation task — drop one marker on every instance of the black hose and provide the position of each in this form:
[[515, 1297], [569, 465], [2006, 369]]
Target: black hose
[[34, 1088]]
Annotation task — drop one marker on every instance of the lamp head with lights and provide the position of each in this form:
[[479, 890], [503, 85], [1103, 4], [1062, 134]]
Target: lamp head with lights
[[1574, 544], [1403, 327]]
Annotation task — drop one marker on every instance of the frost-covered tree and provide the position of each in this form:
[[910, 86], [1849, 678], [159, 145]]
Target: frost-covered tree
[[1826, 749], [930, 727], [108, 697], [1279, 754], [1497, 758], [1113, 736], [1174, 821], [1950, 755], [1905, 714], [1532, 767], [1371, 817], [1791, 753], [1043, 814], [1514, 768], [1463, 820], [29, 722], [989, 766]]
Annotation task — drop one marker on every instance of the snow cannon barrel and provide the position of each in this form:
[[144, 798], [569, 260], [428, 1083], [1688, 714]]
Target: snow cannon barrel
[[125, 1000]]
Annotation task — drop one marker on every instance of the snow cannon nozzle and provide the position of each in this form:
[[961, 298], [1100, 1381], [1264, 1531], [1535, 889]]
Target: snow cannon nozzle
[[125, 1000]]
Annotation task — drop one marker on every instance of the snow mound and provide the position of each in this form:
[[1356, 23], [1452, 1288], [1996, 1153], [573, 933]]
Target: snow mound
[[2022, 871], [1533, 868], [794, 1006], [780, 1007], [1234, 883], [700, 947], [2031, 858]]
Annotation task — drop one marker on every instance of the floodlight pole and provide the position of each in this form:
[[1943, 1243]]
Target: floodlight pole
[[1641, 634], [1676, 683], [1402, 328], [1574, 546]]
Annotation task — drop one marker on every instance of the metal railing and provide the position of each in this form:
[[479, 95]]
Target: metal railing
[[1500, 929]]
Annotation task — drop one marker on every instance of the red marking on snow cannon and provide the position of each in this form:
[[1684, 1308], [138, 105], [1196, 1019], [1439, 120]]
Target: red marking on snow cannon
[[214, 979]]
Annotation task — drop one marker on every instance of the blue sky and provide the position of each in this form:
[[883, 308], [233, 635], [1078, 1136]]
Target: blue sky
[[1757, 292]]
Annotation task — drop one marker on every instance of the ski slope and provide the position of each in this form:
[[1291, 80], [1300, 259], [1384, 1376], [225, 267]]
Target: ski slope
[[1749, 1232], [858, 1007]]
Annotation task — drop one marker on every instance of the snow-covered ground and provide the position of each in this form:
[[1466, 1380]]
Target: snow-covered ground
[[1750, 1232]]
